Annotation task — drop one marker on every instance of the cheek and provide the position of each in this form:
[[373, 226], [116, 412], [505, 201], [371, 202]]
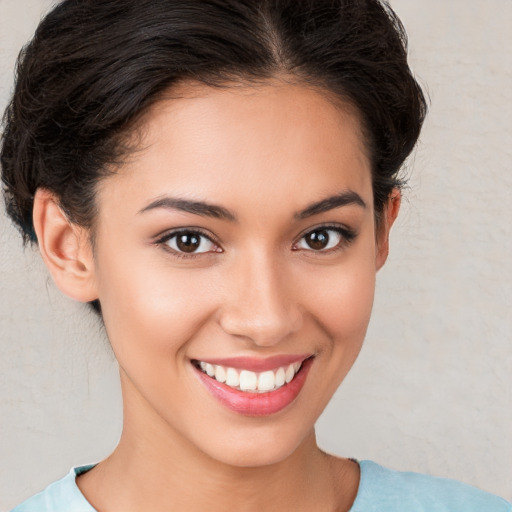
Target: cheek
[[341, 299], [151, 310], [350, 306], [342, 309]]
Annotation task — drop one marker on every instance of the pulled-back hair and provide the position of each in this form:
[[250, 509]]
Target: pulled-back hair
[[94, 67]]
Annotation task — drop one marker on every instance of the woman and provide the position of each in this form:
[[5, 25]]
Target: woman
[[218, 179]]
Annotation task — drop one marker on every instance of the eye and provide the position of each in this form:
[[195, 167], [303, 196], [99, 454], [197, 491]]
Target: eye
[[325, 238], [189, 242]]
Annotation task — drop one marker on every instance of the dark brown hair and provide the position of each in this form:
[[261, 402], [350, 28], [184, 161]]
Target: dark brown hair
[[94, 66]]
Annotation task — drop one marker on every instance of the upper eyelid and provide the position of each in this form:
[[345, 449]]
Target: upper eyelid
[[340, 228], [170, 233]]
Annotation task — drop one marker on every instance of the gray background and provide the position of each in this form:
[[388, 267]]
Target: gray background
[[432, 389]]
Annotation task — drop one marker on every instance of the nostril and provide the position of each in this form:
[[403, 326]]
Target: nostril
[[263, 328]]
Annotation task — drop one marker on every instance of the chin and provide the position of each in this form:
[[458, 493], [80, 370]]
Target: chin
[[262, 447], [256, 457]]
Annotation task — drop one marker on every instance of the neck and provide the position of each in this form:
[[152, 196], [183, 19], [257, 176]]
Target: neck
[[155, 468]]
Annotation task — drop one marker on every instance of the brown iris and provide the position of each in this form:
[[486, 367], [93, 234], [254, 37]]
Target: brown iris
[[317, 240], [188, 242]]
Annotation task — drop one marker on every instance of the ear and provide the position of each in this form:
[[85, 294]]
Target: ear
[[65, 248], [389, 215]]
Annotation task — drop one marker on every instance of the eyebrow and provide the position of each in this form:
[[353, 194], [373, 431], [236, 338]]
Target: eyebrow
[[196, 207], [342, 199], [218, 212]]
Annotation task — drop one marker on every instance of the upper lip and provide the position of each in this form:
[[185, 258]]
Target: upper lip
[[255, 364]]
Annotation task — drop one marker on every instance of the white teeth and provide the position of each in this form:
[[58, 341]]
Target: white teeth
[[246, 380], [210, 370], [232, 378], [280, 377], [220, 374], [266, 381], [289, 374]]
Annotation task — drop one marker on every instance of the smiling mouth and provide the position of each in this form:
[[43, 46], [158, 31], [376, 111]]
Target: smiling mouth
[[248, 381]]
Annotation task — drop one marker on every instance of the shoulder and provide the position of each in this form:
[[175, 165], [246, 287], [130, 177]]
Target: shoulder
[[60, 496], [386, 490]]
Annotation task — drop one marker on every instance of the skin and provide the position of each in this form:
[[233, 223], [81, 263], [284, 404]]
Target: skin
[[264, 153]]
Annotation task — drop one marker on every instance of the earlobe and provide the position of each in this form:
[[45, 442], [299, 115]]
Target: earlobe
[[389, 215], [64, 247]]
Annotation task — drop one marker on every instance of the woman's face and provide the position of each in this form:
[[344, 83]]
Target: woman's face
[[240, 240]]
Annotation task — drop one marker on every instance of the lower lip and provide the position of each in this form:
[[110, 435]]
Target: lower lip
[[257, 404]]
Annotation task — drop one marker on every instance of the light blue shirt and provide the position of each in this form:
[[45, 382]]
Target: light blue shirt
[[380, 490]]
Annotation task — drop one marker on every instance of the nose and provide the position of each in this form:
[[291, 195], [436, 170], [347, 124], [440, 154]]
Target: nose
[[260, 304]]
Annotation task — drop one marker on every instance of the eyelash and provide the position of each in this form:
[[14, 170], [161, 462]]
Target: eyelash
[[187, 231], [347, 236]]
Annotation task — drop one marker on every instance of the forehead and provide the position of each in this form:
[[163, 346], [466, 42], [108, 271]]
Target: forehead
[[244, 145]]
